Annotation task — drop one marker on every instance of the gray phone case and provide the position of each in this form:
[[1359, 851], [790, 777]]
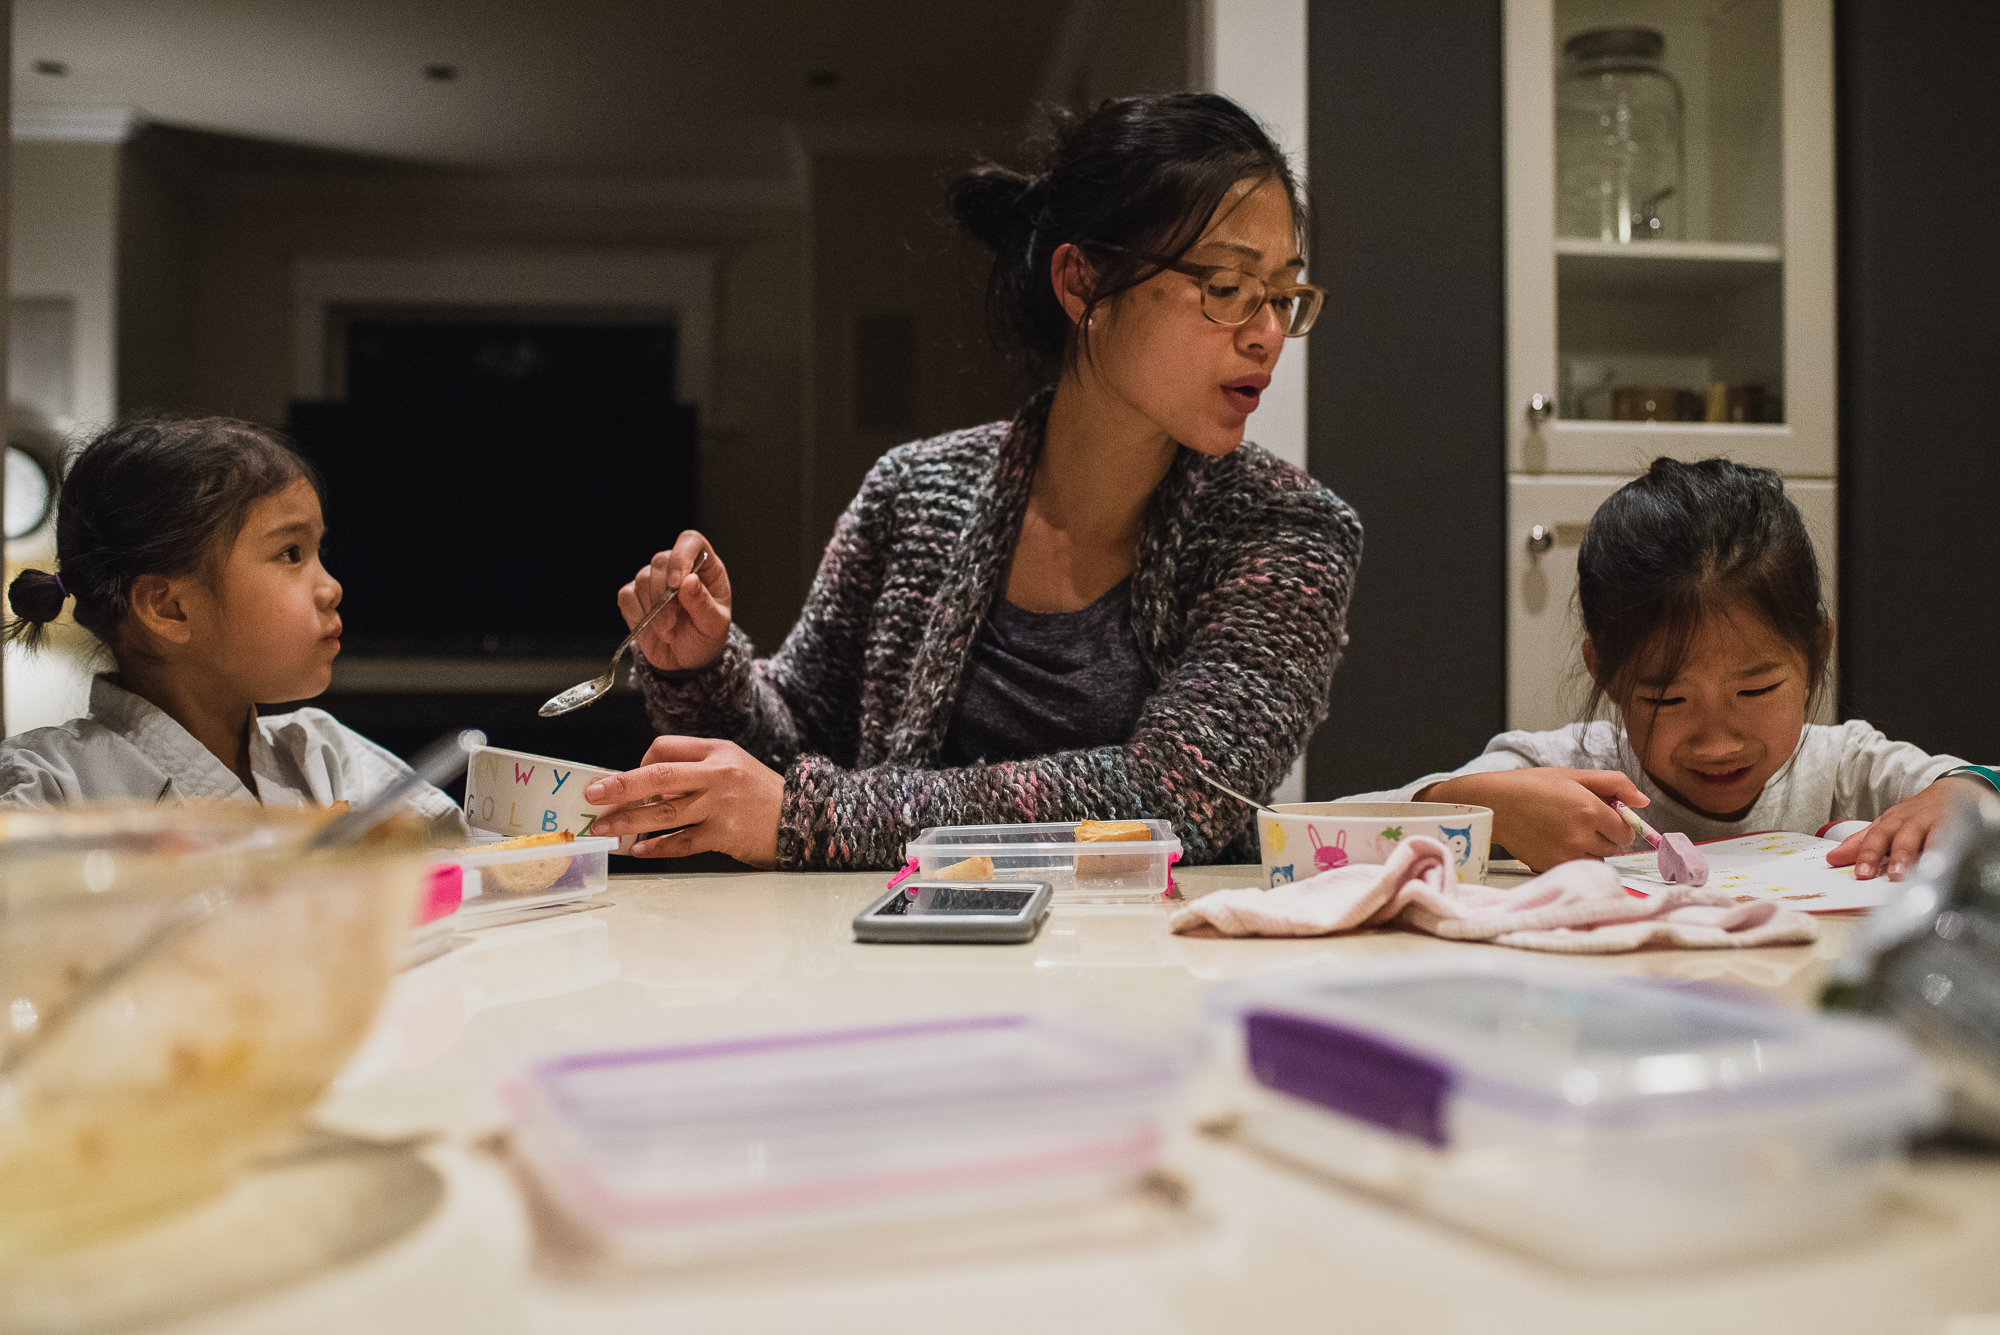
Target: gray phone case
[[942, 929]]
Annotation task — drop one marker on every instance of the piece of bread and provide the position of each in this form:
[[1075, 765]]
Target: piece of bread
[[526, 877], [1111, 832], [522, 841], [972, 869]]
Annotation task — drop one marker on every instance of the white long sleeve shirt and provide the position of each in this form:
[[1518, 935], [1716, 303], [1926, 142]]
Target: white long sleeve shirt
[[128, 747], [1839, 772]]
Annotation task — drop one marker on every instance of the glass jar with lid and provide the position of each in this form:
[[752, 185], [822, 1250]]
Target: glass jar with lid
[[1619, 169]]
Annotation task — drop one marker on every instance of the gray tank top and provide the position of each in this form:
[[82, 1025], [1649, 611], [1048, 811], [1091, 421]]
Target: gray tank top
[[1041, 682]]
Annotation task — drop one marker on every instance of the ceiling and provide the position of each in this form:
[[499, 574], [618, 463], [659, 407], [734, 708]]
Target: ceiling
[[638, 87]]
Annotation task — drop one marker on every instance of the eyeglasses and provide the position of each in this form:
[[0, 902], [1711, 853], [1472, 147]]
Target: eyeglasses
[[1232, 297]]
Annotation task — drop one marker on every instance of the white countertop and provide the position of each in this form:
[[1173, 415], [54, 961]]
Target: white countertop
[[1259, 1247]]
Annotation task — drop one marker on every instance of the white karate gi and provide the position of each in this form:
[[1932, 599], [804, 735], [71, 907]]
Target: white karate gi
[[129, 748]]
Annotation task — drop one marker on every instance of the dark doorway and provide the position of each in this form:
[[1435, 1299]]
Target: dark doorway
[[395, 361], [490, 485]]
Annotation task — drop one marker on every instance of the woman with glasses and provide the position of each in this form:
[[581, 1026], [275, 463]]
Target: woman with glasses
[[1069, 615]]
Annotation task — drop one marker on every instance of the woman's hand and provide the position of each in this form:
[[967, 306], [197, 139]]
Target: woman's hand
[[692, 633], [709, 795], [1893, 840], [1548, 816]]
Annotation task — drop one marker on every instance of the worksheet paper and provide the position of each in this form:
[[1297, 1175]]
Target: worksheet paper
[[1789, 868]]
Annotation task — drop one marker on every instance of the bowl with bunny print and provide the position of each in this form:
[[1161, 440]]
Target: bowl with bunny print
[[1305, 838]]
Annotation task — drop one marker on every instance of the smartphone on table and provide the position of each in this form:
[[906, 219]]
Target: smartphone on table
[[1006, 912]]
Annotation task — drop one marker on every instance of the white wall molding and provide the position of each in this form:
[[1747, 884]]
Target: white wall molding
[[1256, 56], [1254, 53], [75, 125], [682, 282]]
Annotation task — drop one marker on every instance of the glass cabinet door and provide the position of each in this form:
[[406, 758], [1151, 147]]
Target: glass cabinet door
[[1670, 275], [1670, 233]]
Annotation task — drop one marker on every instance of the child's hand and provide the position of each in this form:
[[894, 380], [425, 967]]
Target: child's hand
[[1548, 816], [1893, 840], [691, 633]]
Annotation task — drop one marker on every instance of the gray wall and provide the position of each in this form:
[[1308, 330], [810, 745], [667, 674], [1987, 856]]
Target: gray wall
[[885, 259], [1919, 326], [1406, 382]]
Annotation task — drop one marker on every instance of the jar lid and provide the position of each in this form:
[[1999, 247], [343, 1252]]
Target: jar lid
[[1616, 44]]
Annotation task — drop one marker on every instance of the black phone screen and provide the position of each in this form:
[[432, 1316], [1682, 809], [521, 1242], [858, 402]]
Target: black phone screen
[[932, 900]]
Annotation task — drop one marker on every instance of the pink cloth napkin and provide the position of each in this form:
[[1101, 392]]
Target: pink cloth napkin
[[1578, 908]]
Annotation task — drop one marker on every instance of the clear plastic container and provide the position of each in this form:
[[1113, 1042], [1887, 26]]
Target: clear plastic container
[[679, 1154], [517, 878], [1604, 1123], [1124, 871]]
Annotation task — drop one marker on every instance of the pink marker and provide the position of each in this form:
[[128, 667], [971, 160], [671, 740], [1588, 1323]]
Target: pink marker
[[1640, 830], [1681, 863]]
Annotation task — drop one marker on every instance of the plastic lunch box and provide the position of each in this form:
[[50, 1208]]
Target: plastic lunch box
[[678, 1154], [588, 872], [1118, 872], [1604, 1123]]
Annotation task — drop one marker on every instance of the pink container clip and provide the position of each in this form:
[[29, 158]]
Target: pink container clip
[[444, 891]]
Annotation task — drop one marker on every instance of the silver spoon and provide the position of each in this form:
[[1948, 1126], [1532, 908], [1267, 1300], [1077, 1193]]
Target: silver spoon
[[1217, 783], [576, 697]]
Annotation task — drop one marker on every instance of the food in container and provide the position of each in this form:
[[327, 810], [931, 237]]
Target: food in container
[[525, 877], [1053, 851], [1111, 832], [517, 873], [1604, 1123]]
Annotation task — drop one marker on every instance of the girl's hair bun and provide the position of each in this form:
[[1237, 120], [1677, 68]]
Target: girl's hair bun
[[991, 204], [149, 496], [37, 598]]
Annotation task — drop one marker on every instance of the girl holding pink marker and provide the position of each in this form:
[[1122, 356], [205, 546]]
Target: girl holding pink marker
[[1706, 633]]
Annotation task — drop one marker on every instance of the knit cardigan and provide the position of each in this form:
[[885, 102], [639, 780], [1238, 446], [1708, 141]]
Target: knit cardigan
[[1239, 604]]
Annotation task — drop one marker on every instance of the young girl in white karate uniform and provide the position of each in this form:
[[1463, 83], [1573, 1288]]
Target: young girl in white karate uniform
[[1704, 627], [192, 549]]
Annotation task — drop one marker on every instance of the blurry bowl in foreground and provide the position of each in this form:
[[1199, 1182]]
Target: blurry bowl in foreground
[[176, 987]]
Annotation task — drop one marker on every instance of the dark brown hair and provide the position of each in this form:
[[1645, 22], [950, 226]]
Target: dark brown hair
[[1682, 542], [1139, 173], [150, 496]]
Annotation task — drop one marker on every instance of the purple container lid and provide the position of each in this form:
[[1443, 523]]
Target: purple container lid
[[1399, 1050]]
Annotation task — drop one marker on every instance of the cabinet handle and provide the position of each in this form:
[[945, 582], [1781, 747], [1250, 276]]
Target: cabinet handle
[[1540, 538], [1540, 407]]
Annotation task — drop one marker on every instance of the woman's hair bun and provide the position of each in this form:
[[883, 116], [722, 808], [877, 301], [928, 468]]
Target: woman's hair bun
[[37, 598], [1136, 179], [991, 204]]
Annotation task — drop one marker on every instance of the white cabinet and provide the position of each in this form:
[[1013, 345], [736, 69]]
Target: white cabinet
[[1733, 319]]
